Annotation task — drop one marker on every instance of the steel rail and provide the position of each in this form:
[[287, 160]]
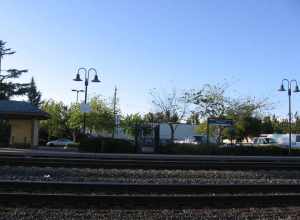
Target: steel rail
[[220, 164], [145, 202], [129, 188]]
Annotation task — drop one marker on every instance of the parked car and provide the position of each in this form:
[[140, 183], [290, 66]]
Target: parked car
[[60, 142], [264, 141], [196, 139]]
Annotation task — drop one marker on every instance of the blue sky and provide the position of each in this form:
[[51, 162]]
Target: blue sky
[[138, 45]]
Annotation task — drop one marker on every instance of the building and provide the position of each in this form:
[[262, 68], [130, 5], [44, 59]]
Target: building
[[22, 120]]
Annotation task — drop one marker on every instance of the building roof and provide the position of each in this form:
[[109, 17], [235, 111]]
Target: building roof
[[20, 109]]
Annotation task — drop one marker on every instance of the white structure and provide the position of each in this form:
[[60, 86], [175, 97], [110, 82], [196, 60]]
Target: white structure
[[182, 131], [283, 139]]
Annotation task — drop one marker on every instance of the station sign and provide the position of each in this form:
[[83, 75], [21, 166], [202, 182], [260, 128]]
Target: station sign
[[85, 108], [220, 122]]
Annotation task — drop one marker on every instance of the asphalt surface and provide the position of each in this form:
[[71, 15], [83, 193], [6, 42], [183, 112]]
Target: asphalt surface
[[60, 153]]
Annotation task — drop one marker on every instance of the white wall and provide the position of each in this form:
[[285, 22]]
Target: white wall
[[182, 131]]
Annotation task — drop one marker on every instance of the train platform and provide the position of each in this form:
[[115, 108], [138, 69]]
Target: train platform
[[71, 154]]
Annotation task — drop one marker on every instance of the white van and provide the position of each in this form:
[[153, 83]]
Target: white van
[[283, 139]]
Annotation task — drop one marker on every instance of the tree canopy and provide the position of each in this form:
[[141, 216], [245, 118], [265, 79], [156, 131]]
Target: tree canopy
[[34, 96], [8, 88]]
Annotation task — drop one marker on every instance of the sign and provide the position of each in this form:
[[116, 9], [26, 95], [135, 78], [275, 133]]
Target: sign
[[85, 108], [220, 122]]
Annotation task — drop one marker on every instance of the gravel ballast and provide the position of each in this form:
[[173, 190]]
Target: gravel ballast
[[150, 176], [93, 214]]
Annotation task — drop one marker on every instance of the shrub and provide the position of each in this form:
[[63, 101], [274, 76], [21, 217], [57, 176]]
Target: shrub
[[90, 145], [110, 145], [106, 145]]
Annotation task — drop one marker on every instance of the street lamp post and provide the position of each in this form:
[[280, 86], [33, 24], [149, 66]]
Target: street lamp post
[[77, 91], [296, 90], [86, 83]]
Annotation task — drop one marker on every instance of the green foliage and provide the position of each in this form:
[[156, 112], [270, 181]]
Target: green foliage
[[93, 145], [7, 87], [106, 145], [110, 145], [34, 96], [66, 121], [129, 123], [57, 125], [210, 100], [101, 118], [75, 117]]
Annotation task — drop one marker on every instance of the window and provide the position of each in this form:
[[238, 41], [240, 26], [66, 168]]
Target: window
[[298, 138]]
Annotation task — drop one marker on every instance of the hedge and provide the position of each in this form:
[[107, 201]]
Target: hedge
[[106, 145]]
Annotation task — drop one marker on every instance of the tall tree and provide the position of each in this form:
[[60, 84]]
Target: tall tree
[[34, 96], [246, 114], [57, 126], [171, 107], [7, 87], [209, 101], [101, 118]]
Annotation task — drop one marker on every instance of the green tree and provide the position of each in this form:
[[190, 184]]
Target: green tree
[[57, 124], [246, 114], [7, 87], [34, 96], [129, 123], [209, 101], [101, 118], [75, 120], [267, 125]]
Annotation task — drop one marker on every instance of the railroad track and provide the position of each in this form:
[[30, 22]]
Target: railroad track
[[150, 196], [125, 188], [219, 163], [39, 200]]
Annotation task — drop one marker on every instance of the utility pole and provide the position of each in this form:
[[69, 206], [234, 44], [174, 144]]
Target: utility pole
[[77, 95], [86, 83], [115, 112], [289, 90]]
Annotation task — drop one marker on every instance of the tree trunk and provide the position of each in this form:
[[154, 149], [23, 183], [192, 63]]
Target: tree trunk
[[172, 132]]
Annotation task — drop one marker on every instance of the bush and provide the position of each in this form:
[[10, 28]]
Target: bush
[[106, 145], [191, 149], [110, 145]]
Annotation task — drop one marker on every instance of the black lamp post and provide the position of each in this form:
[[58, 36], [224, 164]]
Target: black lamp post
[[86, 83], [289, 90], [77, 91]]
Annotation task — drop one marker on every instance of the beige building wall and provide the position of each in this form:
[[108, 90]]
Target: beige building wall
[[21, 131], [35, 129]]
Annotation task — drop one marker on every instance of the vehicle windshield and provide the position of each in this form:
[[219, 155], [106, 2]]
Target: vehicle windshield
[[198, 138], [271, 141]]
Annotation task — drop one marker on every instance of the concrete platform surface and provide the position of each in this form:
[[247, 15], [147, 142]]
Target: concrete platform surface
[[54, 153]]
